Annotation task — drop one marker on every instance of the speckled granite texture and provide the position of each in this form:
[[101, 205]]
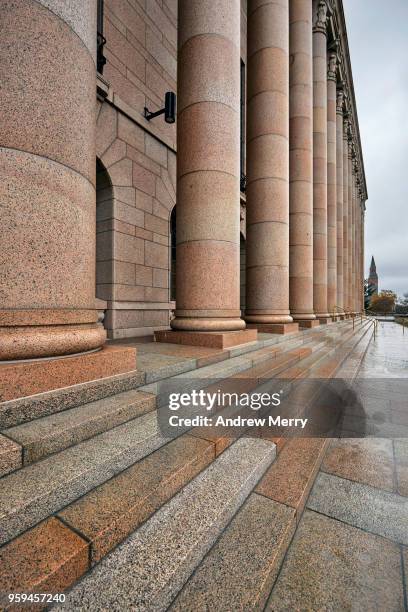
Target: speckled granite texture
[[149, 568], [238, 572], [333, 566]]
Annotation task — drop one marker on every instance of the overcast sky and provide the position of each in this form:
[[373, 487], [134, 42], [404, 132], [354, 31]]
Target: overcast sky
[[378, 40]]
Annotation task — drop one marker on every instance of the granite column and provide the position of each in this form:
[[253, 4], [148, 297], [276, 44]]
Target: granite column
[[339, 194], [268, 167], [345, 217], [331, 186], [301, 164], [320, 160], [350, 224], [47, 191], [208, 150]]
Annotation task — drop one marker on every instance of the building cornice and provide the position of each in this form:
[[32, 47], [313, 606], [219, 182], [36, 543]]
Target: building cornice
[[338, 32]]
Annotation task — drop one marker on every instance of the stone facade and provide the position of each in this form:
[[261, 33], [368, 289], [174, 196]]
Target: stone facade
[[91, 183]]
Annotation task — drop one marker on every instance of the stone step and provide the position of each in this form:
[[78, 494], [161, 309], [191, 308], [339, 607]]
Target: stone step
[[45, 559], [239, 571], [225, 370], [47, 435], [22, 410], [108, 513], [305, 361], [147, 570], [10, 456], [14, 412], [36, 491], [44, 436]]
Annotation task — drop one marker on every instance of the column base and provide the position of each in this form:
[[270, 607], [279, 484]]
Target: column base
[[309, 324], [275, 328], [220, 340], [325, 320], [23, 378]]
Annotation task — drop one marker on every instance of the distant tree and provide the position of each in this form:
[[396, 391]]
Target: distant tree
[[402, 305], [384, 302], [368, 292]]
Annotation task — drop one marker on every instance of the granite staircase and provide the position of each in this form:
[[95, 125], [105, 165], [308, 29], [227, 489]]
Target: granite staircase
[[86, 467]]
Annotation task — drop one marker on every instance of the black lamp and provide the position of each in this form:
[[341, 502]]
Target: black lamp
[[169, 109]]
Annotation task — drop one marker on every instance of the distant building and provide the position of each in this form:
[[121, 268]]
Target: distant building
[[373, 277]]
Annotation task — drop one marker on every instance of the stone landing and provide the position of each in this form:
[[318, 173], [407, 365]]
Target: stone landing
[[23, 378], [308, 324], [221, 340], [275, 328]]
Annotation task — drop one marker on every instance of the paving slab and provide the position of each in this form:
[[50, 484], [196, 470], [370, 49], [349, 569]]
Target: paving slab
[[239, 571], [150, 567], [366, 460], [362, 506], [332, 566], [401, 465]]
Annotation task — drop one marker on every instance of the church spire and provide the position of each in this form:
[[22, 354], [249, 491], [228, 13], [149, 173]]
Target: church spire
[[373, 278]]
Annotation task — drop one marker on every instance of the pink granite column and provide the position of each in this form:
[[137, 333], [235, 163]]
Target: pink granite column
[[208, 149], [345, 217], [320, 160], [268, 166], [358, 249], [339, 193], [350, 222], [331, 186], [47, 190], [362, 253], [353, 240], [301, 164], [355, 245]]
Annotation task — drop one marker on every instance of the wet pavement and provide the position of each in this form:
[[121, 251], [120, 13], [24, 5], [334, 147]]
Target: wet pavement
[[387, 356], [350, 550]]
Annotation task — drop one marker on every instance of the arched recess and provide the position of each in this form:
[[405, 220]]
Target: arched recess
[[242, 273], [104, 236], [172, 263]]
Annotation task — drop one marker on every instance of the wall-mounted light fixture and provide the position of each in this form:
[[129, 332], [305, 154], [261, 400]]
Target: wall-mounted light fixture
[[169, 109]]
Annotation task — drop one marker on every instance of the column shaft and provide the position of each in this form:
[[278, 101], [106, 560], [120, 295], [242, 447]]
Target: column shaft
[[350, 229], [208, 126], [339, 194], [357, 249], [345, 218], [268, 163], [300, 161], [358, 254], [320, 161], [331, 186], [352, 240], [47, 192], [362, 253]]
